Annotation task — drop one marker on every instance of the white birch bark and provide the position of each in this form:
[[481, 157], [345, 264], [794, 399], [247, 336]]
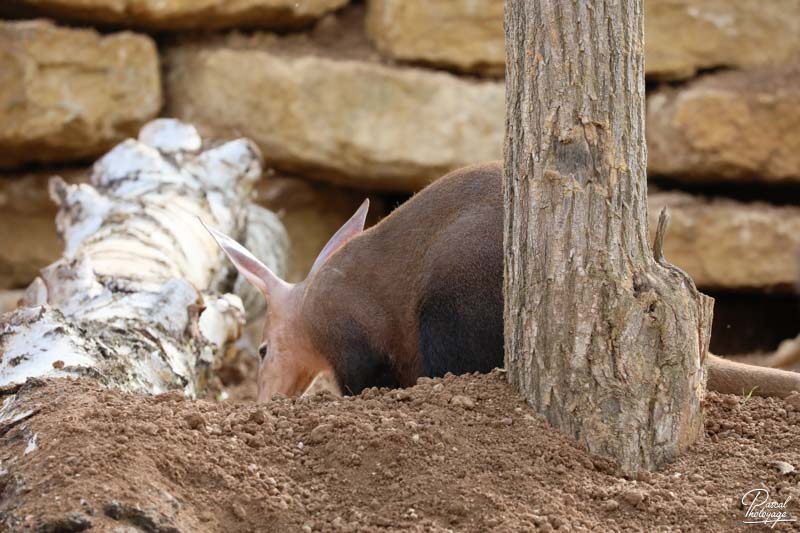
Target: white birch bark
[[138, 301]]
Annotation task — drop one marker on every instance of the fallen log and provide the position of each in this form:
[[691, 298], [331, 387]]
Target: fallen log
[[141, 300]]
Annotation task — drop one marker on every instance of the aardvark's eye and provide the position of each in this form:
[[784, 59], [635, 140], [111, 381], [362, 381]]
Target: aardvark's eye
[[262, 351]]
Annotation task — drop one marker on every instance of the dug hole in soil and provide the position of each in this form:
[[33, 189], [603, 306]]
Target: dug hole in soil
[[454, 454]]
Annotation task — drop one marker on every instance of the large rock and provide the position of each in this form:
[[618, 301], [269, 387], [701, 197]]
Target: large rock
[[354, 122], [725, 244], [728, 126], [28, 239], [465, 34], [68, 94], [311, 213], [682, 36], [181, 14]]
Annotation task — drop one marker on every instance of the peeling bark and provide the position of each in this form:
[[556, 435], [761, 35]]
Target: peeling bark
[[604, 339], [139, 299]]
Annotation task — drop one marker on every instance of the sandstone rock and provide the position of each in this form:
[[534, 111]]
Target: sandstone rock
[[311, 213], [682, 36], [183, 14], [353, 122], [68, 94], [728, 126], [465, 34], [725, 244], [28, 240]]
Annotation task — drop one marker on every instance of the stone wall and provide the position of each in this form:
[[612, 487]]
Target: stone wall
[[379, 97]]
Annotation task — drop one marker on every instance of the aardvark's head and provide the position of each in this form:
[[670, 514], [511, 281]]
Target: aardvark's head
[[290, 364]]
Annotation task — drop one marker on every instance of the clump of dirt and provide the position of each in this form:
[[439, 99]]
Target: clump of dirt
[[460, 453]]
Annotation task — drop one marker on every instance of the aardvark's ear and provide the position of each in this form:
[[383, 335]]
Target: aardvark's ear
[[350, 229], [249, 266]]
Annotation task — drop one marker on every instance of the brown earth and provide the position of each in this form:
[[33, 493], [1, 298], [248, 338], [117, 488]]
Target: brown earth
[[461, 454]]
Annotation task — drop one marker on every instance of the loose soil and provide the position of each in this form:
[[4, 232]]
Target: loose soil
[[456, 454]]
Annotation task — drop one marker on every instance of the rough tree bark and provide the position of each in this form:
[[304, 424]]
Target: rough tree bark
[[603, 336], [138, 299]]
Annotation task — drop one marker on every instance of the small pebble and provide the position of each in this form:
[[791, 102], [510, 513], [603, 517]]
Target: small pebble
[[610, 505], [633, 497], [462, 401], [195, 420]]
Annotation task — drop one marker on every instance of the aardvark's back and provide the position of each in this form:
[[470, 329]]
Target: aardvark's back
[[419, 294]]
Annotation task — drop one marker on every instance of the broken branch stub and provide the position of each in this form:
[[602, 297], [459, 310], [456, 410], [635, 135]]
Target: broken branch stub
[[138, 301]]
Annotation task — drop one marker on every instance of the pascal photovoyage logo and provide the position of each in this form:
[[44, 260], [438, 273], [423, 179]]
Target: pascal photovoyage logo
[[760, 509]]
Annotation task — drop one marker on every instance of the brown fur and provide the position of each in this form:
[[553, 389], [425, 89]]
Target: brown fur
[[374, 277], [360, 319], [374, 280]]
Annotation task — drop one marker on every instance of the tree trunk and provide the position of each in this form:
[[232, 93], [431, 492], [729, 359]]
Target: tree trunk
[[137, 300], [605, 339]]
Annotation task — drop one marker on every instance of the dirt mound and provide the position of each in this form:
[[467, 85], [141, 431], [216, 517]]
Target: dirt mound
[[462, 453]]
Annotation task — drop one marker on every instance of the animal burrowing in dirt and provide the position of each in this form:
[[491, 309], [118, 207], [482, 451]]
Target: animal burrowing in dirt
[[419, 294]]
